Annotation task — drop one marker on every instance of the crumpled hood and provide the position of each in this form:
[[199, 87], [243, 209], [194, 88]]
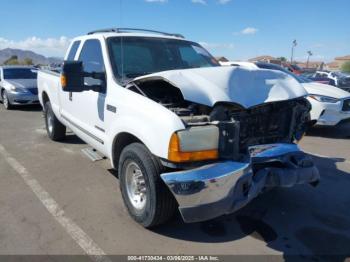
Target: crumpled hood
[[247, 87], [22, 83], [325, 90]]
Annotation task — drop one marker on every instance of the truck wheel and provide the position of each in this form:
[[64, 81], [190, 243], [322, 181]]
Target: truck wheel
[[148, 200], [55, 129], [5, 100]]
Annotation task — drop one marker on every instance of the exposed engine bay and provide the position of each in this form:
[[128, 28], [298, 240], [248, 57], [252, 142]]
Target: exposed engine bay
[[273, 122]]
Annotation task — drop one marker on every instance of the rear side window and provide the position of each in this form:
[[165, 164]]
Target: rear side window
[[73, 51]]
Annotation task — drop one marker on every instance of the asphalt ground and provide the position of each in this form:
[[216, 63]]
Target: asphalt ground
[[55, 201]]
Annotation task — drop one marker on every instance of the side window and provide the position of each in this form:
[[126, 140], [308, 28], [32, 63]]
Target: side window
[[73, 51], [91, 56]]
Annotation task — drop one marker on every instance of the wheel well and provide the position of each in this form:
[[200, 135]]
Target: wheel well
[[45, 98], [120, 142]]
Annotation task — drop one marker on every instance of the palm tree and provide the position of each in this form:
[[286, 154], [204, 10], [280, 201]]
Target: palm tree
[[309, 53], [294, 44]]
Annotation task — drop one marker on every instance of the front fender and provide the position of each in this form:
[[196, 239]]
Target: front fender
[[150, 122]]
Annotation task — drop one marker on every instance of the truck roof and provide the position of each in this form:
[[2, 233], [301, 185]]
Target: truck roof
[[130, 30], [113, 32]]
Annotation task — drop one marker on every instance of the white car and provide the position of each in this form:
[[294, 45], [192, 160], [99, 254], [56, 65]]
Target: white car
[[181, 130], [330, 105]]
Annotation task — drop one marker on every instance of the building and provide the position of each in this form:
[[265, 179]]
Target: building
[[338, 62], [341, 60], [264, 58], [311, 65], [333, 66]]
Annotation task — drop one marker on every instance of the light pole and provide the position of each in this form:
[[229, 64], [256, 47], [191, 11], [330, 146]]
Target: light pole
[[309, 53], [293, 45]]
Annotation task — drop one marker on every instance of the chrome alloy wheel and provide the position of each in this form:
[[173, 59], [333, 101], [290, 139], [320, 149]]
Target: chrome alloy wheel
[[50, 121], [5, 100], [135, 186]]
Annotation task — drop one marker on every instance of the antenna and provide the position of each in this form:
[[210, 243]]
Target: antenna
[[121, 39], [120, 12]]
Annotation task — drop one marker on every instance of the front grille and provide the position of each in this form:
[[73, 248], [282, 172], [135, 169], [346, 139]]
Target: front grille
[[21, 101], [265, 127], [271, 123], [275, 122], [346, 105], [33, 90]]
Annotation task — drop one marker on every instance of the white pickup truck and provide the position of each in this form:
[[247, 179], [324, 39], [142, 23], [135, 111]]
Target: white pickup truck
[[182, 131]]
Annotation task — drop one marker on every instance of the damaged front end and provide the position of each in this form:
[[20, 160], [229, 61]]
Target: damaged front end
[[233, 152], [238, 128], [222, 188]]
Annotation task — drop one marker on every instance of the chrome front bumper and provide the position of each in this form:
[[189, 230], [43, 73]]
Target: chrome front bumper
[[222, 188], [22, 98]]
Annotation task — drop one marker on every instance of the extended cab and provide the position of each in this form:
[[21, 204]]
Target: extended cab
[[181, 130]]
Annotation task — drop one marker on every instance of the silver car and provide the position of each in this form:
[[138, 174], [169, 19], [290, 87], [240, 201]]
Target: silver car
[[18, 86]]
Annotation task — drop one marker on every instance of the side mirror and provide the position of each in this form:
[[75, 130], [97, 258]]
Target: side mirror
[[72, 77]]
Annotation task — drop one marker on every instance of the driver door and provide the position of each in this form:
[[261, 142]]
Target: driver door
[[85, 110]]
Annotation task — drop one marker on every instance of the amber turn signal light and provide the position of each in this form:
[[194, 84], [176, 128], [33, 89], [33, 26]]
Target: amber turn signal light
[[63, 81], [175, 155]]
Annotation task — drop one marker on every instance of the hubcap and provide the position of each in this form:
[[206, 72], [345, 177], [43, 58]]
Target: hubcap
[[49, 122], [136, 186]]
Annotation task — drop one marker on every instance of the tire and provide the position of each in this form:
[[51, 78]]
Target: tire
[[158, 204], [54, 128], [5, 100]]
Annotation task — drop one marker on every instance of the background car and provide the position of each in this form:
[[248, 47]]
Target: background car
[[330, 105], [337, 79], [341, 80], [318, 78], [18, 86], [293, 68]]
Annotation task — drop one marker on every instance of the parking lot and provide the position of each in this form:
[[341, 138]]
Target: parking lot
[[54, 200]]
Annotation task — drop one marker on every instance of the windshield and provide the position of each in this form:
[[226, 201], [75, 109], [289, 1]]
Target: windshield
[[136, 56], [20, 73]]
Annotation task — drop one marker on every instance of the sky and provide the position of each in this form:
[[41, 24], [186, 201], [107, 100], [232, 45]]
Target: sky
[[236, 29]]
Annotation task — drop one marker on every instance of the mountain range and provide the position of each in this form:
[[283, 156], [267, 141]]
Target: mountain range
[[22, 54]]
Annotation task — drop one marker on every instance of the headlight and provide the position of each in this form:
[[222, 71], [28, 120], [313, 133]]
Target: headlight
[[194, 144], [17, 89], [324, 99]]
